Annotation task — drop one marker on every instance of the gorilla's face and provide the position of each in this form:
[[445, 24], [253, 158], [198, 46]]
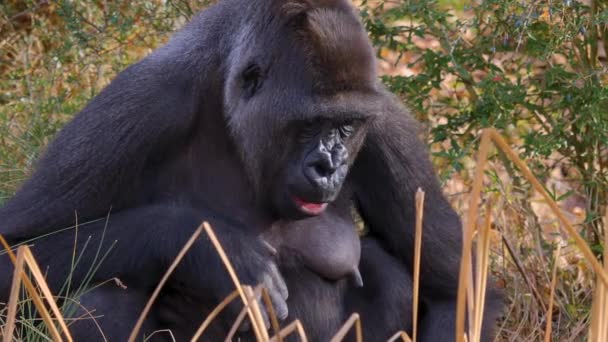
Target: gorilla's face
[[322, 154], [298, 98]]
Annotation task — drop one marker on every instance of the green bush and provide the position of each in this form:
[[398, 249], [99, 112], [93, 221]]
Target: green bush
[[532, 69], [536, 71]]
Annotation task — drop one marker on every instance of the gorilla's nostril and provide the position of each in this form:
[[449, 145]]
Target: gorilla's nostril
[[323, 170]]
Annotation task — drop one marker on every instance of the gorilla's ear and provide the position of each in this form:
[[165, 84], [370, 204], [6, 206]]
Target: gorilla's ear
[[95, 162]]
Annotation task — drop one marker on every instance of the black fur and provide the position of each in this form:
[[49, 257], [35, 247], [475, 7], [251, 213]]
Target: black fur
[[240, 113]]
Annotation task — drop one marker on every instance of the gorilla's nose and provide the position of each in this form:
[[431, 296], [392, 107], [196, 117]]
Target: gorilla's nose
[[326, 170], [322, 167]]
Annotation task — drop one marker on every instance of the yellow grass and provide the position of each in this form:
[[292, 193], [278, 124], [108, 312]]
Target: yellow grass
[[353, 320], [491, 135], [241, 317], [295, 326], [25, 257], [254, 315], [483, 257], [470, 292], [598, 330], [471, 218], [216, 311], [400, 335], [162, 282], [552, 295], [417, 252], [274, 322]]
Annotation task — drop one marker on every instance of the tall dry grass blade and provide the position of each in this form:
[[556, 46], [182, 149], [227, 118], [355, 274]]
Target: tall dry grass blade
[[163, 280], [88, 314], [598, 330], [483, 256], [289, 329], [471, 218], [259, 331], [213, 314], [46, 291], [255, 308], [603, 312], [594, 329], [237, 323], [470, 295], [522, 272], [355, 320], [253, 303], [580, 242], [24, 253], [487, 135], [400, 335], [160, 331], [552, 295], [276, 328], [417, 252], [8, 249], [602, 331], [9, 327]]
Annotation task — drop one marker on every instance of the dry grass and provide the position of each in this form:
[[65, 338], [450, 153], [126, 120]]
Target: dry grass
[[26, 258], [176, 261], [417, 253], [469, 291], [552, 297], [598, 331], [38, 93]]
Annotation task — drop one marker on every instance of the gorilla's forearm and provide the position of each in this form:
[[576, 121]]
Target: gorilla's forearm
[[392, 165]]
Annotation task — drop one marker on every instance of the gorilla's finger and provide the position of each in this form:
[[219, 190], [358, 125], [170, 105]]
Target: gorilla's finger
[[278, 281], [280, 305], [264, 313], [273, 251], [278, 295]]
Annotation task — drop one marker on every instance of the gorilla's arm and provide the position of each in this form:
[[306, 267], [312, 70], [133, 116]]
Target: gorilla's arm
[[95, 157], [141, 244], [391, 166], [96, 161], [388, 285]]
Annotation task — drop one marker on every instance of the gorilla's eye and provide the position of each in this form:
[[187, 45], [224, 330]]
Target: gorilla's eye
[[252, 79], [346, 130], [309, 129]]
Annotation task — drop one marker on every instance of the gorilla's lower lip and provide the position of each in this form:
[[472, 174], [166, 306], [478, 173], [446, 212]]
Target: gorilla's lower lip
[[310, 207]]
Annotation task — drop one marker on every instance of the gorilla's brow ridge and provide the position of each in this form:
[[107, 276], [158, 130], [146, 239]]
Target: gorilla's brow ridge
[[335, 45]]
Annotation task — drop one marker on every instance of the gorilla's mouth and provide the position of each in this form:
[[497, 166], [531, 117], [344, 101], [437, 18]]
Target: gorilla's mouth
[[310, 208]]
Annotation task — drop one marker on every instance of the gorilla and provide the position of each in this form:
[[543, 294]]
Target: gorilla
[[267, 119]]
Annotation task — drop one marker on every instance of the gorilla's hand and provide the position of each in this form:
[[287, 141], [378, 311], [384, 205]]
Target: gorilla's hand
[[203, 274], [261, 269], [273, 281]]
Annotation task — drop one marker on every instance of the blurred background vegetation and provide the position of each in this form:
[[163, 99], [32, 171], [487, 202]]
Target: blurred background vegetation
[[535, 70]]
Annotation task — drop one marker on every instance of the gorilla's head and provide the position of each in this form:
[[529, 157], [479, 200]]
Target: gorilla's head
[[300, 92]]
